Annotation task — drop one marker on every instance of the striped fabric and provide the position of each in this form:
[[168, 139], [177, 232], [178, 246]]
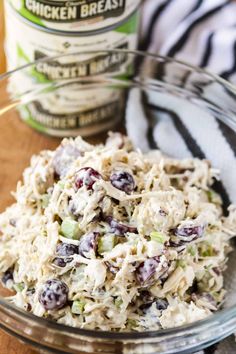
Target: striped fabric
[[202, 33], [196, 31]]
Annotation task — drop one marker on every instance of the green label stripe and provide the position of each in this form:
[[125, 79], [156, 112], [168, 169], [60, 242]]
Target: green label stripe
[[21, 54], [39, 77], [127, 75], [27, 117], [25, 13], [64, 11], [130, 26]]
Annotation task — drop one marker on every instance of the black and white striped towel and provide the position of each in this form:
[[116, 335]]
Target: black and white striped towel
[[202, 33]]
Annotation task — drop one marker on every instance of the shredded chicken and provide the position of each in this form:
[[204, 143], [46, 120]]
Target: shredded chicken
[[106, 237]]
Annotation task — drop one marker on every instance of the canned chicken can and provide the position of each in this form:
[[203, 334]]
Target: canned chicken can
[[25, 44], [75, 15], [69, 110], [73, 111]]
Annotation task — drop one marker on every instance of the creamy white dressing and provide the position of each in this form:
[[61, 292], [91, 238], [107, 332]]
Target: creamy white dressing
[[167, 239]]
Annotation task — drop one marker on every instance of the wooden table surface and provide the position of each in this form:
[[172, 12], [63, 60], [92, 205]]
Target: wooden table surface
[[2, 59]]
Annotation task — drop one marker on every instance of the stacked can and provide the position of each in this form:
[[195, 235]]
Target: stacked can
[[37, 29]]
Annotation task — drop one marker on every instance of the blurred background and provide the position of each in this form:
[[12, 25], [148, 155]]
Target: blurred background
[[2, 56], [202, 33]]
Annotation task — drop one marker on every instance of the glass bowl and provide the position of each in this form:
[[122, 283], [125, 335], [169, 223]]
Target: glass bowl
[[156, 97]]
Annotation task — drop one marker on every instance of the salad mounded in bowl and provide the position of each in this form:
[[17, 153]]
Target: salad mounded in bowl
[[105, 237]]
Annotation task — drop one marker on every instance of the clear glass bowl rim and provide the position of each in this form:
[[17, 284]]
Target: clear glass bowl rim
[[220, 316]]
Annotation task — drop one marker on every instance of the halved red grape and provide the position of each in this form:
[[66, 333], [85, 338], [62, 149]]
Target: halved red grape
[[67, 249], [86, 176], [88, 243], [146, 270], [144, 307], [189, 233], [146, 296], [161, 304], [217, 270], [123, 181], [64, 250], [8, 275], [118, 228], [54, 294], [147, 300], [62, 262], [178, 244]]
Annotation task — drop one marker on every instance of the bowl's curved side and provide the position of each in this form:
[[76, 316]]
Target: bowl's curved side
[[205, 91]]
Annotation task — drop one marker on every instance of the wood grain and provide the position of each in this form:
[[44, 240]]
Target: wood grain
[[2, 58]]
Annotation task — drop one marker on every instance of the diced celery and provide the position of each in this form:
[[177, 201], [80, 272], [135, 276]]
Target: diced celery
[[70, 228], [158, 237], [218, 296], [207, 250], [106, 244], [44, 233], [181, 263], [19, 287], [209, 195], [78, 273], [45, 200], [78, 307], [191, 251], [208, 253], [213, 197], [131, 323], [61, 184], [118, 302]]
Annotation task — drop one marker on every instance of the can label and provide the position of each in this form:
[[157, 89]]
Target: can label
[[38, 116], [75, 15], [65, 11], [99, 64], [69, 110], [25, 44]]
